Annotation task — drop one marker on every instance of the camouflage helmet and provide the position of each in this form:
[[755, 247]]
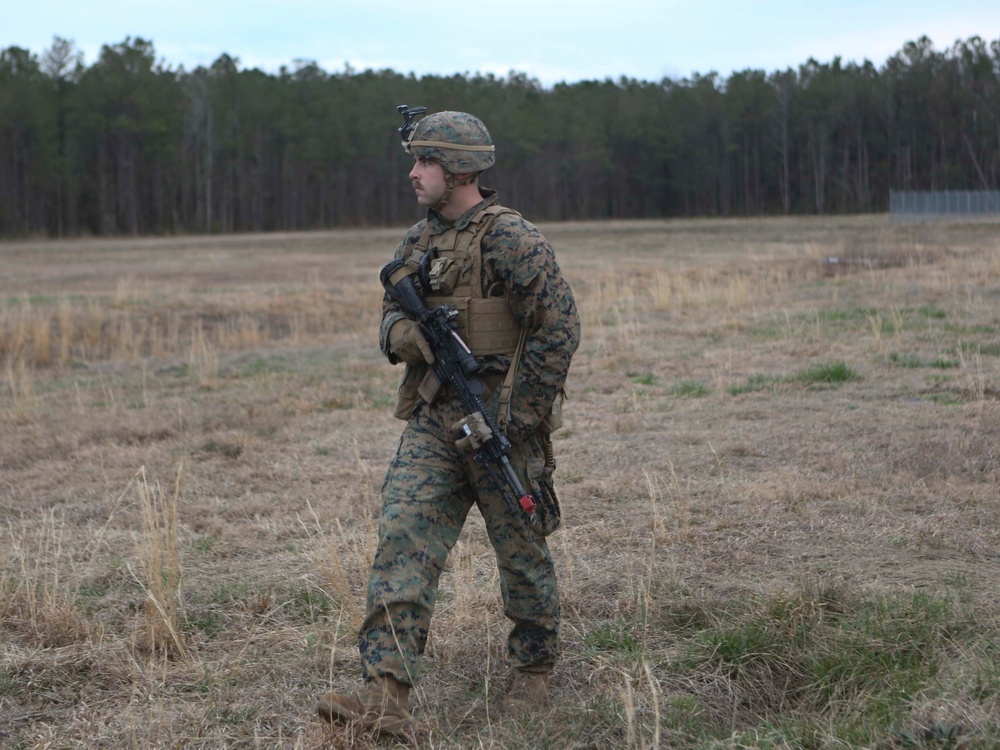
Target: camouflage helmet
[[458, 141]]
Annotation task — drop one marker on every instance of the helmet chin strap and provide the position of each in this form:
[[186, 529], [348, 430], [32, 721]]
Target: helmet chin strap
[[450, 183]]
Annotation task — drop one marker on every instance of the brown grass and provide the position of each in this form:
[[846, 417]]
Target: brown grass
[[699, 474]]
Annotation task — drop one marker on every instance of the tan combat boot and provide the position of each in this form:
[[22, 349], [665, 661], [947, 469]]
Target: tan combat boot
[[382, 704], [528, 694]]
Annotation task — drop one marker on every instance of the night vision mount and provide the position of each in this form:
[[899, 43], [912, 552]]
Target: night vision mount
[[408, 114]]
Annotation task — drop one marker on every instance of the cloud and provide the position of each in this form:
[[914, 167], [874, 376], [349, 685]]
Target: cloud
[[547, 40]]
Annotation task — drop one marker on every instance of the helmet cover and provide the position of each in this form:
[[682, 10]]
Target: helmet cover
[[458, 141]]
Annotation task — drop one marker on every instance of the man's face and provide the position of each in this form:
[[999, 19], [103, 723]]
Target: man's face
[[428, 181]]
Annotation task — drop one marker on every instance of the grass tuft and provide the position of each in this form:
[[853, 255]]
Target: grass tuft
[[825, 373], [159, 556]]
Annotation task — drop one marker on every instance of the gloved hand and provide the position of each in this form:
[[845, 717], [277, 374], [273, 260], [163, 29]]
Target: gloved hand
[[408, 343]]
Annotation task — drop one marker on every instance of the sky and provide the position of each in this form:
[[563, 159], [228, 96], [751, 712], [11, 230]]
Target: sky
[[551, 41]]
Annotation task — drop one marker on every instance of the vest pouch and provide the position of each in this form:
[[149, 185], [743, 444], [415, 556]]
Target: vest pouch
[[554, 419], [443, 275], [487, 326], [407, 395], [429, 386], [493, 329]]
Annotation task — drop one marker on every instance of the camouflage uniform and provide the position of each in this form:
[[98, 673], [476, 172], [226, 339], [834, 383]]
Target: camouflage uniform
[[430, 486]]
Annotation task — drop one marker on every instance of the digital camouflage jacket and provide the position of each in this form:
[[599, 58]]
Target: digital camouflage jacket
[[521, 261]]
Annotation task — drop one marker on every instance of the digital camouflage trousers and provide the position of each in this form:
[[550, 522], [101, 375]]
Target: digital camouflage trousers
[[428, 492]]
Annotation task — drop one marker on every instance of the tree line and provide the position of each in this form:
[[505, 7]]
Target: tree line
[[129, 145]]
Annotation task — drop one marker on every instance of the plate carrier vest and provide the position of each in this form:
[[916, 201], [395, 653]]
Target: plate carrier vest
[[486, 323]]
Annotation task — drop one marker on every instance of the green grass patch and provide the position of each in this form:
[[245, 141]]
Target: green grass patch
[[617, 636], [985, 350], [754, 383], [206, 621], [850, 314], [222, 448], [768, 332], [689, 389], [383, 402], [947, 398], [205, 543], [237, 716], [943, 364], [10, 683], [645, 379], [311, 603], [971, 330], [929, 311], [793, 655], [36, 300], [228, 592], [825, 373], [905, 360], [257, 366], [91, 592]]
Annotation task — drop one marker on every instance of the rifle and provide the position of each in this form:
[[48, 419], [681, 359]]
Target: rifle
[[454, 363]]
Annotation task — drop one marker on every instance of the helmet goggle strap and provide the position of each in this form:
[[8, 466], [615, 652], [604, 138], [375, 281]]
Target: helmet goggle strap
[[407, 145]]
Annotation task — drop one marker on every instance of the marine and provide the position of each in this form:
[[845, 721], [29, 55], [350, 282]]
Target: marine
[[518, 316]]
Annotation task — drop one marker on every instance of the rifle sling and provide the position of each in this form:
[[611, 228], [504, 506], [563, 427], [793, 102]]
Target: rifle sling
[[507, 387]]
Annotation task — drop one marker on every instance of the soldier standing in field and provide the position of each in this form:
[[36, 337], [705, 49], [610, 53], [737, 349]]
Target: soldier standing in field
[[518, 316]]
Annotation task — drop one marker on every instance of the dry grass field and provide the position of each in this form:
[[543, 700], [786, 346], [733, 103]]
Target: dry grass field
[[780, 479]]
